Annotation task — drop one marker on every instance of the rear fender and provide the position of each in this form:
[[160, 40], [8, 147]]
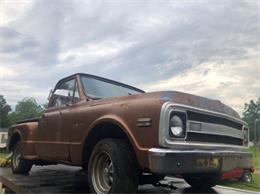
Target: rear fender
[[27, 134]]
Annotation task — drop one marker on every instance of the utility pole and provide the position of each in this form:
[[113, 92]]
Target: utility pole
[[256, 120], [255, 133]]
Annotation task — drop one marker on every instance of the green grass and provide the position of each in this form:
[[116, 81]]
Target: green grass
[[2, 191], [3, 155], [256, 156], [253, 186]]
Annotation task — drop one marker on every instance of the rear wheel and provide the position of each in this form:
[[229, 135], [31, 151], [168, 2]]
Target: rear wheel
[[19, 164], [112, 168], [202, 181]]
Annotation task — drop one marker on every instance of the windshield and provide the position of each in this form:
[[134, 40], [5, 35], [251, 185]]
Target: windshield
[[99, 89]]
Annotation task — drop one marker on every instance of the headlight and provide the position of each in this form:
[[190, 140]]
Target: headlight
[[246, 136], [177, 126]]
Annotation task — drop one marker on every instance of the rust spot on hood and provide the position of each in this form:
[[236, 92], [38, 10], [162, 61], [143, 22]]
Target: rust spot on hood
[[199, 102]]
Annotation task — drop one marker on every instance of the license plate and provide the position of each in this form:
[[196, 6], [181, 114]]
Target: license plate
[[208, 163]]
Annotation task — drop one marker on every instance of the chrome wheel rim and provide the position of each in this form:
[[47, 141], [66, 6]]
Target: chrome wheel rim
[[102, 172], [247, 178], [17, 156]]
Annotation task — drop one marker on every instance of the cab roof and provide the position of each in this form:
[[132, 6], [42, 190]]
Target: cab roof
[[99, 78]]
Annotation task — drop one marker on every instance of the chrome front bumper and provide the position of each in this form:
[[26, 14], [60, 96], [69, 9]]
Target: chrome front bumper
[[168, 161]]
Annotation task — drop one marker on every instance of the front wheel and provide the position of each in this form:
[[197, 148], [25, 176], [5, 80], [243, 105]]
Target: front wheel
[[112, 168], [19, 164], [202, 181]]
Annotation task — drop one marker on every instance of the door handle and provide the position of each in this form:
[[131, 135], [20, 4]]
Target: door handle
[[75, 125]]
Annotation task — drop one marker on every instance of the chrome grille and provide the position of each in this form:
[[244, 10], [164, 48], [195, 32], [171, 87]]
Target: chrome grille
[[200, 117], [204, 129], [218, 139], [213, 129]]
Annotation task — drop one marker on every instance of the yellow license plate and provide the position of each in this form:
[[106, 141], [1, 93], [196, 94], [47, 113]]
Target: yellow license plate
[[208, 163]]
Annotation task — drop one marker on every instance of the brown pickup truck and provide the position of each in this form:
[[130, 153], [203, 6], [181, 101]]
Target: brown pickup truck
[[123, 136]]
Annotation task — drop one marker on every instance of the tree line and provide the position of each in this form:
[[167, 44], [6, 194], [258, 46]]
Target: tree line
[[29, 108], [26, 108], [250, 114]]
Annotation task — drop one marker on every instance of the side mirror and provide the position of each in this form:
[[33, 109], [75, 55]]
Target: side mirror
[[50, 94]]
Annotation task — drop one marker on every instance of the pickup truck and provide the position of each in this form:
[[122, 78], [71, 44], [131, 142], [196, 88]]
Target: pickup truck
[[123, 136]]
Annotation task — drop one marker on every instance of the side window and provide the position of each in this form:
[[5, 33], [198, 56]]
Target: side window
[[66, 93]]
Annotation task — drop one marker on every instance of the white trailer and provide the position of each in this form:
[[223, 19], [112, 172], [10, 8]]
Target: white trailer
[[3, 140]]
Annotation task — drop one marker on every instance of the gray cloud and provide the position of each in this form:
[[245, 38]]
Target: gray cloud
[[137, 42], [13, 42]]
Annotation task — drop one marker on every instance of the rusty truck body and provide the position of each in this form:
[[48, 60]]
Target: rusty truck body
[[123, 136]]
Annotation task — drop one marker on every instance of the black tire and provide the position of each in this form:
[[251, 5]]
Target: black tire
[[113, 168], [247, 176], [202, 181], [19, 164]]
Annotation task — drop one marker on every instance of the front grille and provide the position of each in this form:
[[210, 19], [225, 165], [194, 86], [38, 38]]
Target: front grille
[[213, 119], [217, 139], [213, 129]]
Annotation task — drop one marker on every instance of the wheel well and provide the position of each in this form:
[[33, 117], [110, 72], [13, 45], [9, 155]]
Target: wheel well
[[101, 131], [14, 139]]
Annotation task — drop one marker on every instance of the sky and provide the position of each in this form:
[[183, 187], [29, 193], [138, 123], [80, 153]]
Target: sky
[[207, 48]]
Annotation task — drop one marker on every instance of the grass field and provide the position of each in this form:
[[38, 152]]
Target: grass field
[[3, 155], [2, 191], [5, 160], [253, 186], [256, 156]]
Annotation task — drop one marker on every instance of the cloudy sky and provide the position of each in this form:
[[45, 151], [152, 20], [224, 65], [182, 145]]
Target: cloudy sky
[[208, 48]]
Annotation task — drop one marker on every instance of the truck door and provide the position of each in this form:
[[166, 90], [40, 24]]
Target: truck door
[[53, 143], [47, 146]]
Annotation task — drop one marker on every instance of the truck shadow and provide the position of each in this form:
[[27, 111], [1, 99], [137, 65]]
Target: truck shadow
[[199, 191], [59, 179]]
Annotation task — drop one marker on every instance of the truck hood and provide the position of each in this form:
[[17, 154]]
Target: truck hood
[[175, 97], [198, 102]]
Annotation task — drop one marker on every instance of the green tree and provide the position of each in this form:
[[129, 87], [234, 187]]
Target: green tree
[[4, 110], [45, 106], [25, 109], [250, 114]]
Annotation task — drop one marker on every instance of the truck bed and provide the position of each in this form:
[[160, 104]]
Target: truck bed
[[28, 120]]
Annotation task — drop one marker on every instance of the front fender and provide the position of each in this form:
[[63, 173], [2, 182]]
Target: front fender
[[140, 152], [114, 119]]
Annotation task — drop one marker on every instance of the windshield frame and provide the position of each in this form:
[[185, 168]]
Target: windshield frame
[[107, 81]]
